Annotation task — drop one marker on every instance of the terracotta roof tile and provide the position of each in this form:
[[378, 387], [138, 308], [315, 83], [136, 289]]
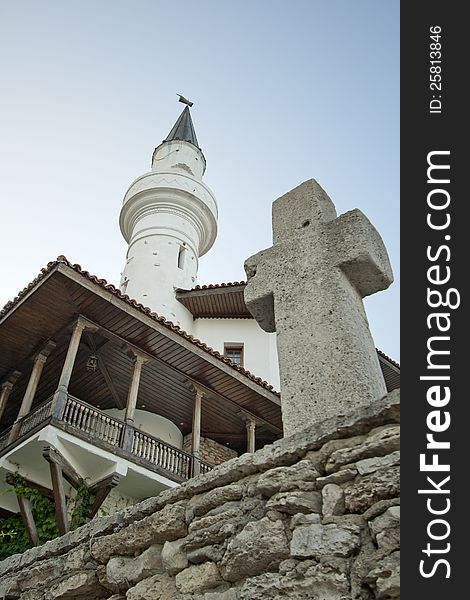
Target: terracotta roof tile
[[390, 360], [144, 309], [215, 286]]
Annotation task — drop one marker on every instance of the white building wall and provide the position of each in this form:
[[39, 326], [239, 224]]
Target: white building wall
[[259, 347]]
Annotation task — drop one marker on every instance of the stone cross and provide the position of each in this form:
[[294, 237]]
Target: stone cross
[[308, 287]]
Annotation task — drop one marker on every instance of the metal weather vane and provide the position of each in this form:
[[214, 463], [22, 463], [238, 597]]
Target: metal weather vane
[[184, 100]]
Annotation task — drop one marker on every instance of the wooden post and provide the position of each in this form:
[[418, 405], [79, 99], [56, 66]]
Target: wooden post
[[60, 396], [139, 360], [251, 435], [59, 498], [196, 432], [6, 388], [28, 519], [39, 362], [127, 437]]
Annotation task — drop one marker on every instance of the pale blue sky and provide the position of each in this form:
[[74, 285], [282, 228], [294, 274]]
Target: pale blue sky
[[283, 91]]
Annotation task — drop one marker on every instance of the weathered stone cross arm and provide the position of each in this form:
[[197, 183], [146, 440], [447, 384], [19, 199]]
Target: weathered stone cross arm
[[259, 295], [358, 250]]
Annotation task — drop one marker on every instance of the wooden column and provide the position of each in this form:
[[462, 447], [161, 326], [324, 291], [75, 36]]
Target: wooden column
[[139, 360], [5, 390], [59, 498], [196, 432], [127, 438], [250, 435], [28, 520], [39, 362], [60, 396], [60, 469]]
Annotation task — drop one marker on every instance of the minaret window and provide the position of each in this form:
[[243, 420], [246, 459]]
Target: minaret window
[[234, 352], [181, 255]]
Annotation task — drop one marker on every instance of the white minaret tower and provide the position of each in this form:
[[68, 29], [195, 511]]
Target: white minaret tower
[[169, 220]]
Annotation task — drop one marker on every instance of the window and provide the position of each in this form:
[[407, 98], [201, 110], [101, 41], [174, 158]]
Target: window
[[234, 352], [181, 253]]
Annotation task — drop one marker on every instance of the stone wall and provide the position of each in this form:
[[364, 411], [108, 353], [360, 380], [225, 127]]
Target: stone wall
[[312, 516], [115, 501], [210, 450]]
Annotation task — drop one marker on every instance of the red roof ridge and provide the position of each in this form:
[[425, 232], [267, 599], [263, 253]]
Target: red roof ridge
[[390, 360], [215, 286], [61, 259]]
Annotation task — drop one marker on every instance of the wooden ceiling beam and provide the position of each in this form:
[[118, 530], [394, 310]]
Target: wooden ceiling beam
[[120, 403], [191, 380]]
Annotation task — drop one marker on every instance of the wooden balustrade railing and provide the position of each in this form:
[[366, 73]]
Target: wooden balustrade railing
[[159, 453], [35, 418], [204, 467], [4, 439], [97, 425], [92, 421]]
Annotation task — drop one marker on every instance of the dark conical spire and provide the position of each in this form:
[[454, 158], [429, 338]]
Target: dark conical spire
[[183, 129]]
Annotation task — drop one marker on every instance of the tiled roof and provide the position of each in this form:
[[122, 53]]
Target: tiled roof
[[390, 360], [216, 286], [137, 305]]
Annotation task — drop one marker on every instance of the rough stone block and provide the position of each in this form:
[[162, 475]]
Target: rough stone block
[[41, 574], [307, 581], [388, 541], [369, 465], [230, 594], [215, 534], [286, 478], [200, 555], [295, 502], [300, 519], [339, 477], [261, 545], [318, 540], [218, 518], [76, 585], [167, 524], [9, 587], [379, 443], [368, 489], [387, 520], [197, 578], [385, 578], [203, 503], [173, 557], [123, 572], [158, 587], [379, 507], [333, 500]]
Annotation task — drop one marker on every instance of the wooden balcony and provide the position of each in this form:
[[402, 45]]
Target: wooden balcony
[[95, 427]]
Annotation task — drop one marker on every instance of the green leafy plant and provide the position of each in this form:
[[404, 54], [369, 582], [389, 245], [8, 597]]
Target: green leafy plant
[[82, 503], [13, 534]]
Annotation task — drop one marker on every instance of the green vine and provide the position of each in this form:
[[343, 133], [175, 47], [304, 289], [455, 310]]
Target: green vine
[[82, 503], [13, 534]]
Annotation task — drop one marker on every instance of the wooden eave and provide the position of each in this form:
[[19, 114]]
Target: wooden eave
[[46, 310], [224, 301]]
